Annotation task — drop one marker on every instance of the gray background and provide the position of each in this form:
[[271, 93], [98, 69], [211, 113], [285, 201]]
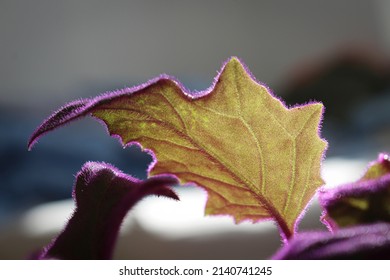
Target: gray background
[[51, 51]]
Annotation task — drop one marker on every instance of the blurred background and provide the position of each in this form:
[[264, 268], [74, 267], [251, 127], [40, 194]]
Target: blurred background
[[52, 52]]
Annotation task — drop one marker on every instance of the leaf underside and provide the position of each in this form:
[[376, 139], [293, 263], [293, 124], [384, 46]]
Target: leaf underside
[[256, 158]]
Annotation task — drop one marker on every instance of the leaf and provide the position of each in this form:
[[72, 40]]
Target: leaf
[[368, 242], [256, 158], [362, 202], [103, 196]]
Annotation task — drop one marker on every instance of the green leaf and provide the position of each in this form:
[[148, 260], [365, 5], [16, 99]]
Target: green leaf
[[256, 158]]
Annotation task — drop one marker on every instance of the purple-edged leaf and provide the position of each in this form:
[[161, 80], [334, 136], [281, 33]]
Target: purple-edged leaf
[[103, 196], [362, 202], [368, 242], [256, 158]]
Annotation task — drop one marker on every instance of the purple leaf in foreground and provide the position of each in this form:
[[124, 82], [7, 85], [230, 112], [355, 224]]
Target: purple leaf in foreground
[[103, 196], [362, 202], [368, 242]]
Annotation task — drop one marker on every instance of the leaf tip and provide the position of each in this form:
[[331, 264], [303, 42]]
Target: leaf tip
[[31, 142], [62, 116], [234, 60]]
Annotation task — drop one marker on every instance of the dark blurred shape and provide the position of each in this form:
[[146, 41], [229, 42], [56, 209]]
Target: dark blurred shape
[[343, 83], [354, 86]]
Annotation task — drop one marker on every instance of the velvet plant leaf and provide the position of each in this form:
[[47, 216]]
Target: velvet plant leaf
[[365, 242], [256, 158], [103, 196], [362, 202]]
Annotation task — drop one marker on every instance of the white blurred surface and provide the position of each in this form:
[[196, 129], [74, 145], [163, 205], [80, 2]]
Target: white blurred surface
[[185, 218], [163, 228]]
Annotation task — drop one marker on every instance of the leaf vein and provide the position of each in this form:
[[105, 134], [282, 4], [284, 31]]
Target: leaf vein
[[174, 109], [292, 182], [306, 183], [261, 159], [166, 141], [216, 112], [201, 148]]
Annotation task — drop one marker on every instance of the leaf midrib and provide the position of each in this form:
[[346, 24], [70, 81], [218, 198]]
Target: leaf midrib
[[227, 167]]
